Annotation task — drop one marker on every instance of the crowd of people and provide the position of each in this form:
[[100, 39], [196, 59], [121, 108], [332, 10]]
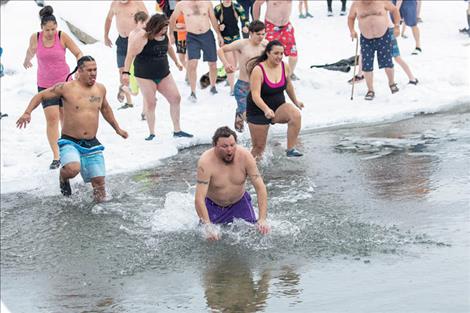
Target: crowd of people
[[250, 44]]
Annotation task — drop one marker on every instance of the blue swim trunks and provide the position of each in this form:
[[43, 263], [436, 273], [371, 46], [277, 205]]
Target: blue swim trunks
[[395, 49], [121, 50], [241, 90], [383, 46], [409, 12], [87, 152], [222, 215], [205, 42]]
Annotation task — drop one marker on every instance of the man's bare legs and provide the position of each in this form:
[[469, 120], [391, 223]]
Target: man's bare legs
[[369, 77], [192, 74], [212, 74], [416, 36], [99, 189], [292, 66], [390, 72]]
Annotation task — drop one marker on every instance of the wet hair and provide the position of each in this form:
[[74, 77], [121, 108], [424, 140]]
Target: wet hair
[[155, 24], [256, 26], [80, 64], [251, 64], [223, 132], [45, 14], [140, 16]]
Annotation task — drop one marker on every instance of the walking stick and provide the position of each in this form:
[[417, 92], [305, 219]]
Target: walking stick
[[354, 71]]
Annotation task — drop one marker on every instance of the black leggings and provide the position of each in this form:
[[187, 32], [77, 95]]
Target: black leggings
[[343, 5]]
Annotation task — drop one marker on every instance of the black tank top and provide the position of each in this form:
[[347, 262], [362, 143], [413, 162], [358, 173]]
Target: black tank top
[[152, 62], [271, 93]]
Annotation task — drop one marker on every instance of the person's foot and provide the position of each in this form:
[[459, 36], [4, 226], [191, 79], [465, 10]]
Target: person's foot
[[370, 95], [2, 115], [142, 117], [330, 13], [150, 137], [239, 122], [214, 90], [54, 165], [65, 188], [419, 20], [394, 88], [302, 16], [121, 95], [308, 15], [232, 93], [126, 106], [359, 78], [293, 153], [416, 51], [182, 134], [192, 98], [294, 77], [343, 12], [413, 82]]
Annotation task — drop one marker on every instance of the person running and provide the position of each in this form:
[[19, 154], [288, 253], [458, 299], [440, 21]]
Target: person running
[[266, 103], [50, 45], [227, 14], [330, 7], [198, 17], [148, 49], [278, 27], [409, 12], [124, 11], [373, 24], [220, 190], [80, 151], [304, 4], [246, 50]]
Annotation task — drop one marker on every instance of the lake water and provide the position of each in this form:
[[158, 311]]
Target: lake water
[[372, 219]]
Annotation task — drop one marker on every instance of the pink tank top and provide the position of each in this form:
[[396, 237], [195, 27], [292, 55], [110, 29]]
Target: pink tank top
[[52, 67]]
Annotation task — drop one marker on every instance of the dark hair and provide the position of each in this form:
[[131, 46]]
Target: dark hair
[[223, 132], [140, 16], [45, 14], [80, 64], [251, 64], [256, 26], [155, 24]]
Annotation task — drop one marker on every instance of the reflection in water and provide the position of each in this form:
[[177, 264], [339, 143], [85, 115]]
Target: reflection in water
[[230, 286]]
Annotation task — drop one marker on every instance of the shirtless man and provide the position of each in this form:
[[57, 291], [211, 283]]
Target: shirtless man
[[124, 10], [278, 27], [247, 49], [373, 24], [80, 151], [198, 17], [220, 191]]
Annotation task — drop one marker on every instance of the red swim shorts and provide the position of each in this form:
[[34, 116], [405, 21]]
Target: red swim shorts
[[285, 34]]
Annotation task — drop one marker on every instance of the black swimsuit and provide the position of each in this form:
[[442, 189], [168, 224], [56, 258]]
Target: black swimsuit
[[152, 62], [271, 93]]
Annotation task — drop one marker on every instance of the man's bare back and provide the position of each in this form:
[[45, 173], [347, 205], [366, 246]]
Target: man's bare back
[[227, 181], [277, 11], [196, 15], [372, 18], [124, 13]]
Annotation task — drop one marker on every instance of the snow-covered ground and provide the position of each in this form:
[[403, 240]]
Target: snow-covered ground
[[442, 69]]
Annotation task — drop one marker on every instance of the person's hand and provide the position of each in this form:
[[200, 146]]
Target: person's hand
[[353, 35], [125, 79], [221, 40], [179, 66], [299, 104], [23, 120], [269, 114], [229, 68], [245, 29], [263, 227], [396, 31], [108, 42], [222, 27], [211, 232], [122, 133], [27, 64]]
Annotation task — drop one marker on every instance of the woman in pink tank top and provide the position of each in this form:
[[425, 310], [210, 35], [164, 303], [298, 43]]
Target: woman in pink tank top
[[49, 46]]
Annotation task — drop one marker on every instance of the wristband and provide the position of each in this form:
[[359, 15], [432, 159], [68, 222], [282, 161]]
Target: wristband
[[126, 72]]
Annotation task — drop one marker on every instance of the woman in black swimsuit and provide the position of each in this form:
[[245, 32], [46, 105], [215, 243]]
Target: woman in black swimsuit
[[266, 103], [150, 48]]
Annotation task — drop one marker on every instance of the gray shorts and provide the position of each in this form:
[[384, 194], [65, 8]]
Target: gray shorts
[[205, 42]]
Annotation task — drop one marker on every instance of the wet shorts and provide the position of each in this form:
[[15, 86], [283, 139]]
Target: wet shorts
[[241, 91], [205, 42], [89, 153], [50, 102], [222, 215], [408, 12], [395, 50], [383, 46], [121, 50], [285, 34]]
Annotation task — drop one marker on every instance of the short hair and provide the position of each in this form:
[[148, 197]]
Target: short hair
[[256, 26], [140, 16], [223, 132]]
